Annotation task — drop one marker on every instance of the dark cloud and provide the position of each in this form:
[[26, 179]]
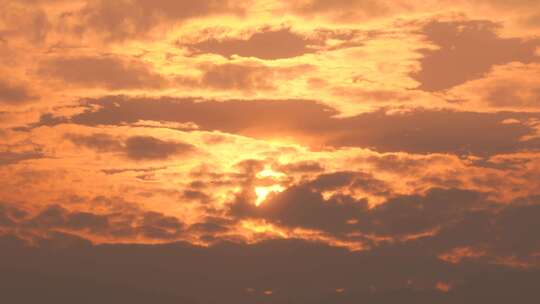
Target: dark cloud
[[9, 215], [126, 19], [153, 225], [513, 94], [20, 20], [8, 158], [56, 216], [100, 142], [212, 225], [467, 51], [533, 20], [238, 77], [345, 7], [416, 131], [233, 116], [396, 163], [450, 218], [502, 164], [302, 167], [14, 93], [496, 232], [197, 195], [102, 71], [273, 44], [304, 206], [514, 229], [134, 147], [268, 44], [136, 170], [65, 267], [414, 214], [506, 4], [156, 225], [245, 76], [351, 180], [147, 147]]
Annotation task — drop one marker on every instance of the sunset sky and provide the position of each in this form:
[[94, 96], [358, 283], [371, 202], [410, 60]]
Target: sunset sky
[[269, 151]]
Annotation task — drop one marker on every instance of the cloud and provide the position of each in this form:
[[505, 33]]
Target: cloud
[[305, 206], [467, 50], [127, 224], [192, 194], [505, 4], [147, 147], [351, 180], [100, 142], [303, 167], [136, 170], [246, 76], [134, 147], [345, 8], [56, 216], [149, 197], [125, 19], [505, 87], [12, 93], [10, 214], [267, 44], [20, 20], [102, 71], [64, 267], [400, 163], [156, 225], [312, 123], [238, 77], [437, 221], [232, 116], [415, 214], [9, 157], [513, 222], [532, 20]]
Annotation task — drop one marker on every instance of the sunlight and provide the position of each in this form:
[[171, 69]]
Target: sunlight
[[263, 192], [269, 172]]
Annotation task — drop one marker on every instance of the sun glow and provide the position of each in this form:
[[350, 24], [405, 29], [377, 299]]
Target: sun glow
[[269, 172], [263, 192]]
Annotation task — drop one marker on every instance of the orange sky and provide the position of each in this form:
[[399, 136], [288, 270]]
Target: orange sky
[[349, 134]]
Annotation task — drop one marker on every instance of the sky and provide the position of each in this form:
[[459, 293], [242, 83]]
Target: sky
[[257, 151]]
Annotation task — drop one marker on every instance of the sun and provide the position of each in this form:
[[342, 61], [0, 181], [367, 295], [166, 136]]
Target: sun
[[268, 172], [263, 192], [271, 180]]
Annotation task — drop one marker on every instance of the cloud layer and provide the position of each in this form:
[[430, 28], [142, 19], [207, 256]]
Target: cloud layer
[[312, 151]]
